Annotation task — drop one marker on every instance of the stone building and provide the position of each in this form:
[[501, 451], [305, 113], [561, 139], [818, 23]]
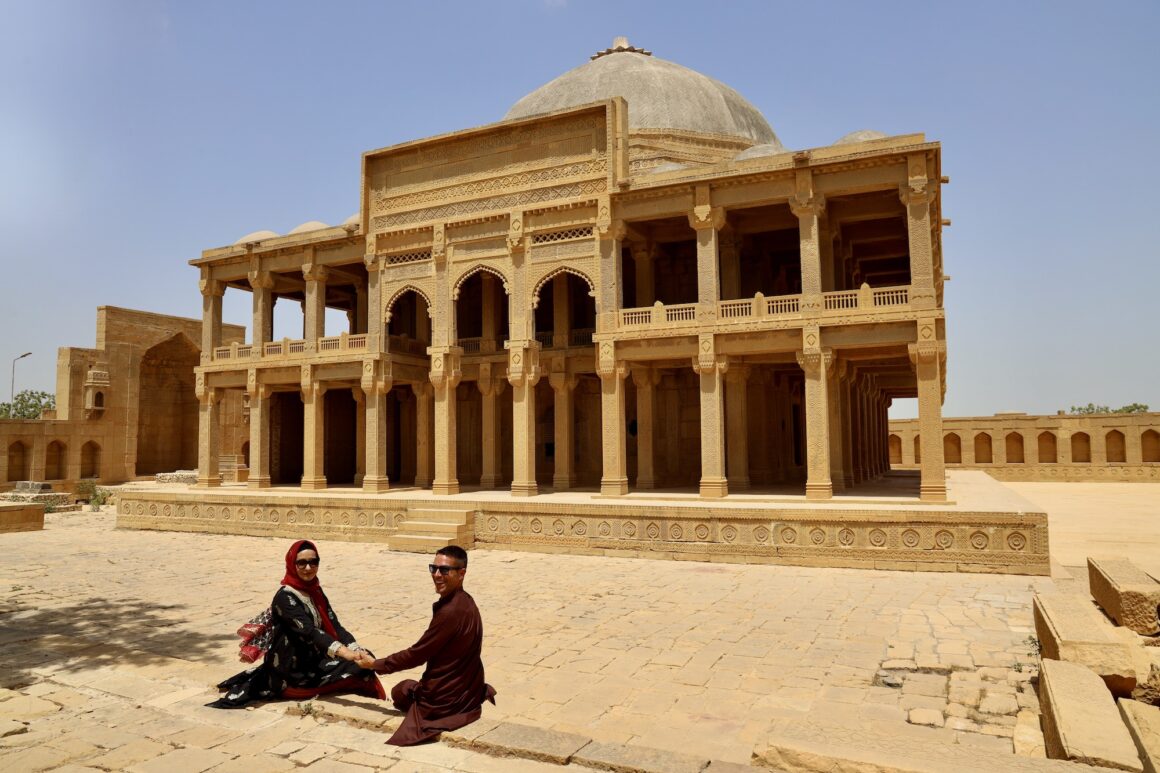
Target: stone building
[[1016, 446], [125, 409], [628, 283]]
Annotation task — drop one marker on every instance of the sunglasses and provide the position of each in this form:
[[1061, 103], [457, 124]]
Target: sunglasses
[[302, 563], [443, 570]]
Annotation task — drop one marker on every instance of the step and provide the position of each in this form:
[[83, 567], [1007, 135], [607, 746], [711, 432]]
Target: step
[[1071, 628], [433, 529], [431, 515], [409, 543]]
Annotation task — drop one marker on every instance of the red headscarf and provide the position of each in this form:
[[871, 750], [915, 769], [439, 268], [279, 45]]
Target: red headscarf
[[312, 588]]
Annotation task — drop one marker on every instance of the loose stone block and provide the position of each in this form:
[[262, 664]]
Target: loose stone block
[[624, 758], [1143, 723], [512, 740], [1080, 721], [21, 516], [1070, 628], [1128, 594]]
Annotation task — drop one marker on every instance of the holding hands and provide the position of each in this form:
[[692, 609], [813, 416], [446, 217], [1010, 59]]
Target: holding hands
[[364, 659]]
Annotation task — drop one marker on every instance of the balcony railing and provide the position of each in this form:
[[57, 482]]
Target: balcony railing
[[287, 346]]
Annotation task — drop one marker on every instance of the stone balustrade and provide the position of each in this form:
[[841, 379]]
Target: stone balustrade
[[287, 347]]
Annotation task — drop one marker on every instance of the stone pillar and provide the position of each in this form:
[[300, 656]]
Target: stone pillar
[[375, 330], [314, 308], [444, 378], [375, 389], [523, 375], [927, 357], [917, 195], [757, 409], [260, 397], [846, 429], [423, 458], [211, 315], [561, 312], [614, 478], [816, 363], [737, 420], [730, 257], [809, 207], [262, 283], [360, 434], [491, 387], [313, 433], [208, 428], [643, 256], [645, 379], [834, 419], [707, 220], [711, 368], [563, 386]]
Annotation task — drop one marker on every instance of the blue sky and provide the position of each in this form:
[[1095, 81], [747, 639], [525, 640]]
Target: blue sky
[[136, 133]]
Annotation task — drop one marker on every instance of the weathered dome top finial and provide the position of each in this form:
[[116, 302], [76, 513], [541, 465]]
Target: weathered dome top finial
[[620, 44]]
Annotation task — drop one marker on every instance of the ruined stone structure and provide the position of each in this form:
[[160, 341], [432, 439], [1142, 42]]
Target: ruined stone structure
[[1016, 446], [124, 409], [627, 283]]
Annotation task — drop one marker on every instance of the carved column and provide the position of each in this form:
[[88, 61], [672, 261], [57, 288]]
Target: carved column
[[643, 258], [809, 206], [375, 389], [260, 396], [711, 369], [262, 284], [707, 220], [737, 419], [563, 386], [313, 432], [730, 255], [314, 308], [834, 418], [211, 315], [376, 334], [927, 357], [491, 387], [614, 479], [816, 362], [760, 418], [360, 434], [523, 375], [645, 379], [208, 424], [917, 196], [444, 378], [423, 453], [846, 428]]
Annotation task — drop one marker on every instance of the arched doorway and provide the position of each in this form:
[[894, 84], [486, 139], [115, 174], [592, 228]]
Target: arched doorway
[[55, 461], [17, 461], [167, 408], [90, 460]]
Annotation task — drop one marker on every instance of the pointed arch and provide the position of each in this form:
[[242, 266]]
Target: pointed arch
[[475, 269], [555, 272], [407, 288]]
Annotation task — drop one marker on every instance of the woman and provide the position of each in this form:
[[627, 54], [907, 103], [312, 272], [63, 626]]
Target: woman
[[310, 653]]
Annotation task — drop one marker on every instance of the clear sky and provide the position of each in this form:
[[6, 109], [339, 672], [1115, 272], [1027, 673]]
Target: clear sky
[[136, 133]]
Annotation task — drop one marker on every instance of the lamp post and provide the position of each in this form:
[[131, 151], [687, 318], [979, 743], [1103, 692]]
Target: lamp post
[[12, 386]]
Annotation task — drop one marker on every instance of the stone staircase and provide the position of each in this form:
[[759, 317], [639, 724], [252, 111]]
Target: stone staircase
[[425, 530]]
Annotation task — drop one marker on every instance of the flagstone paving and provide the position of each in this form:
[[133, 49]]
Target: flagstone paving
[[111, 641]]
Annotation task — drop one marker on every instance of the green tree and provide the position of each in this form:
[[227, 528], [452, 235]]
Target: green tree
[[28, 404], [1092, 408]]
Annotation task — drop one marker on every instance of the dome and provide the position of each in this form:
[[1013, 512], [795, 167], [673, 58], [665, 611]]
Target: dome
[[310, 225], [256, 236], [660, 95], [862, 135], [352, 220]]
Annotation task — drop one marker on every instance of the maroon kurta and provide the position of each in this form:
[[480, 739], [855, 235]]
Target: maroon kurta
[[451, 691]]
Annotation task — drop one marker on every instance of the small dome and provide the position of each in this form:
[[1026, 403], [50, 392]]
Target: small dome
[[761, 151], [352, 220], [862, 135], [310, 225], [256, 236], [660, 95]]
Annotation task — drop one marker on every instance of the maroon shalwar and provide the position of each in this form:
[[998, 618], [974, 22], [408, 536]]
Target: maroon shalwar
[[452, 691]]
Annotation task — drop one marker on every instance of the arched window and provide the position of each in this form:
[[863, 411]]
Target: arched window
[[1114, 443], [895, 450], [983, 448], [90, 460], [952, 449], [918, 449], [1081, 447], [1047, 450], [1014, 448], [99, 400], [17, 461], [1150, 446], [55, 459]]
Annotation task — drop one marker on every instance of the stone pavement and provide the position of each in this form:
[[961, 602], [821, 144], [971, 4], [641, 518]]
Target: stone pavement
[[112, 639]]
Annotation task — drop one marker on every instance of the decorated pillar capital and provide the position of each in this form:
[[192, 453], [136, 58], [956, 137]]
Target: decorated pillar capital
[[816, 363], [644, 376], [211, 287], [445, 366], [523, 362], [807, 205], [737, 373], [313, 272], [261, 280]]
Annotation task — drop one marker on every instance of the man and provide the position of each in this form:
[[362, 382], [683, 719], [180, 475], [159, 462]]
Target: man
[[452, 691]]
